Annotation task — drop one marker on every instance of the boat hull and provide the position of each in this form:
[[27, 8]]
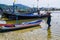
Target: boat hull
[[14, 17], [6, 27]]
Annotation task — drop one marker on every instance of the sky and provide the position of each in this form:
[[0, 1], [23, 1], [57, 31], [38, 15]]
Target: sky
[[33, 3]]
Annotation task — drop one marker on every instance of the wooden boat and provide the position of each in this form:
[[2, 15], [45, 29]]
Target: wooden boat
[[14, 16], [9, 27]]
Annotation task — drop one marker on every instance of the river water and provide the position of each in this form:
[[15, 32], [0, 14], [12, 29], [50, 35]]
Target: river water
[[36, 33]]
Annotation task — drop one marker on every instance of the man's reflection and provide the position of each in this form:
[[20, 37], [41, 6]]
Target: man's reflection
[[48, 34]]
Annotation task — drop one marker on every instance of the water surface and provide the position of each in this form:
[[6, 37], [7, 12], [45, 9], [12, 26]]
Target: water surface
[[35, 33]]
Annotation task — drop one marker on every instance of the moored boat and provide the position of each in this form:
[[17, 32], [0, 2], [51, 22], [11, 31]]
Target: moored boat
[[14, 16], [9, 27]]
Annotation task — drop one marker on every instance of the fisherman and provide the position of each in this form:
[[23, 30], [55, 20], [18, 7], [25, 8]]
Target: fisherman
[[49, 19]]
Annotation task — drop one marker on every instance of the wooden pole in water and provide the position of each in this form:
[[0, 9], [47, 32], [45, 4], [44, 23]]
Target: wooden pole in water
[[14, 11], [14, 6]]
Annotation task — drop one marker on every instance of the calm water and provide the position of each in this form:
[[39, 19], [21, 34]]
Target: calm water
[[36, 33]]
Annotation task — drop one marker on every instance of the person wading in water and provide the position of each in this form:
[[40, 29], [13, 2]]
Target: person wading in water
[[49, 19]]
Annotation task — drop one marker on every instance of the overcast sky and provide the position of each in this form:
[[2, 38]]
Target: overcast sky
[[31, 3]]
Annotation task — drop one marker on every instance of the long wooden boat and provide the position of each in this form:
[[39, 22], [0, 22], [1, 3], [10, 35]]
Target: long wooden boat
[[14, 16], [9, 27]]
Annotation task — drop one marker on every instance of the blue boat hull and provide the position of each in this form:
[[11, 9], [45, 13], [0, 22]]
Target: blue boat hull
[[14, 16]]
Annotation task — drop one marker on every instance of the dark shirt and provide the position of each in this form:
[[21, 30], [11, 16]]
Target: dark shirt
[[49, 19]]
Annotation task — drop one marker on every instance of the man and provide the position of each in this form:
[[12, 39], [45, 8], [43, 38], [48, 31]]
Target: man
[[49, 19]]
